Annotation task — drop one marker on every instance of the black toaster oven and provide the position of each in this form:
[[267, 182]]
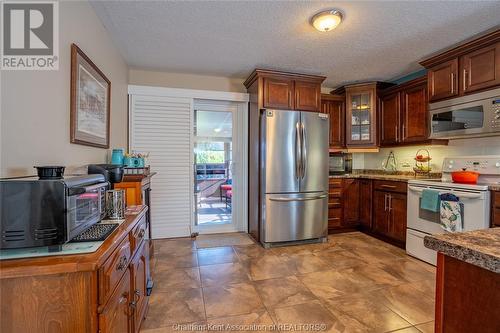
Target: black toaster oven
[[49, 212]]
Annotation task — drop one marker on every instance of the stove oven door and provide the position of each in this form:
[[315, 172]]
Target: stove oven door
[[476, 213]]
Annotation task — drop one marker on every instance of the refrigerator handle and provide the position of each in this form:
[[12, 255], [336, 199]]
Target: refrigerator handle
[[303, 150], [298, 151]]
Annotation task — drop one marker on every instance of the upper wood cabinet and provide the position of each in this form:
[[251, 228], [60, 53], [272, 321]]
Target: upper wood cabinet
[[481, 68], [464, 69], [404, 118], [361, 113], [334, 107], [443, 80], [278, 93], [307, 96], [283, 90], [414, 115], [390, 107]]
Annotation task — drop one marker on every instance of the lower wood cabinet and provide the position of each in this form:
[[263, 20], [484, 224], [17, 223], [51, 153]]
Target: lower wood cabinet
[[389, 210], [139, 279], [115, 317], [350, 197], [495, 208], [365, 203]]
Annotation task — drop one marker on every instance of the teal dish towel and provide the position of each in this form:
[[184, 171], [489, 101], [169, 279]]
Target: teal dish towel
[[430, 200]]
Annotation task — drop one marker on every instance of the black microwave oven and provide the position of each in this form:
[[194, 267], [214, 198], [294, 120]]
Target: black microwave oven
[[49, 212]]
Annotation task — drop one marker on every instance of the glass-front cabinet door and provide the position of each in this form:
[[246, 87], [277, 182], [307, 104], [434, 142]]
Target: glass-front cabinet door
[[361, 119]]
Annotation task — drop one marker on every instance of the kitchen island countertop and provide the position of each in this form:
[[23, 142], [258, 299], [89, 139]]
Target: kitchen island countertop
[[478, 247]]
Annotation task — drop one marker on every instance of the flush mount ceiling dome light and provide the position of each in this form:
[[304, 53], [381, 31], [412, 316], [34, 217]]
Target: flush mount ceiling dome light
[[326, 20]]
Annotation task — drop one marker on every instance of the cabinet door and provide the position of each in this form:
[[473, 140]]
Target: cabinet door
[[365, 203], [380, 216], [360, 117], [443, 80], [139, 268], [115, 316], [278, 93], [415, 119], [307, 96], [480, 69], [337, 123], [389, 117], [397, 213], [350, 198]]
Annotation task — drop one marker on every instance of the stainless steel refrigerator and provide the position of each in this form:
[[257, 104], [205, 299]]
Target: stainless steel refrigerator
[[293, 175]]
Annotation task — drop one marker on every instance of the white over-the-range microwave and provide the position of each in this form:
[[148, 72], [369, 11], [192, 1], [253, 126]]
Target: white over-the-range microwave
[[474, 115]]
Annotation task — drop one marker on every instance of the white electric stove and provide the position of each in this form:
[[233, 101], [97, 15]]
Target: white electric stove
[[475, 199]]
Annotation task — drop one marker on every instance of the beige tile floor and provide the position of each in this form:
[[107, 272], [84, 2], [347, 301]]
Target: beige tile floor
[[353, 283]]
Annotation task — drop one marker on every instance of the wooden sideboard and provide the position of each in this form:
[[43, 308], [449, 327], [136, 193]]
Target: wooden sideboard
[[103, 291]]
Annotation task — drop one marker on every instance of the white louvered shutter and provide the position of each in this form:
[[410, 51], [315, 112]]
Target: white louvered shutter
[[162, 126]]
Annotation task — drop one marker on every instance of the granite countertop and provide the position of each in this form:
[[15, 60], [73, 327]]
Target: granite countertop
[[400, 177], [479, 247], [495, 187]]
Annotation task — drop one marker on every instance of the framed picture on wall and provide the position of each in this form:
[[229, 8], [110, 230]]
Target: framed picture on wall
[[90, 102]]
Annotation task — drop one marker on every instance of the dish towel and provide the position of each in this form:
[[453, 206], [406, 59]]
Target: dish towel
[[451, 213], [430, 200]]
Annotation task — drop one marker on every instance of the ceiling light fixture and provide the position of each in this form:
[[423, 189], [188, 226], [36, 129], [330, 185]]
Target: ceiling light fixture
[[217, 130], [326, 20]]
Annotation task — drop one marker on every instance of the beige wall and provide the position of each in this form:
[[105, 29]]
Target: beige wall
[[190, 81], [185, 81], [463, 147], [35, 104]]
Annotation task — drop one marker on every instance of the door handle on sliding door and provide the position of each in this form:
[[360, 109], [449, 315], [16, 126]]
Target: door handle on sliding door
[[298, 151], [303, 150]]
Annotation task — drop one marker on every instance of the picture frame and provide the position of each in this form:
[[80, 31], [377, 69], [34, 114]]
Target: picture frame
[[90, 102]]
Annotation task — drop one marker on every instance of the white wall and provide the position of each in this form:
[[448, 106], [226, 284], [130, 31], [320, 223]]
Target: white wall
[[462, 147], [35, 104]]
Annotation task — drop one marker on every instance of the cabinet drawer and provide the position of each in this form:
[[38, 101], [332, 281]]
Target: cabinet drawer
[[334, 222], [391, 186], [334, 212], [335, 183], [137, 234], [113, 269], [334, 202]]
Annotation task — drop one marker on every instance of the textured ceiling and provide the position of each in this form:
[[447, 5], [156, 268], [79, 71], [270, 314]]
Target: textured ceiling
[[377, 40]]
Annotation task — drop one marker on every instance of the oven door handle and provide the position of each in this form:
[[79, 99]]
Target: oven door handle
[[459, 193]]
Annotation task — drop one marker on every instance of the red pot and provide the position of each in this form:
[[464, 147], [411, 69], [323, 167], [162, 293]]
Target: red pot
[[465, 177]]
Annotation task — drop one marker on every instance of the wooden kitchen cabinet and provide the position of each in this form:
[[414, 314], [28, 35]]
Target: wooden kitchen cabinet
[[390, 107], [464, 69], [480, 69], [397, 216], [350, 197], [389, 210], [361, 113], [404, 119], [115, 318], [365, 203], [414, 115], [334, 204], [307, 96], [334, 107], [278, 93], [443, 80], [495, 208], [139, 268]]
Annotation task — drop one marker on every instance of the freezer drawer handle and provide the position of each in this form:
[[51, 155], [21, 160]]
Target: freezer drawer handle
[[299, 199]]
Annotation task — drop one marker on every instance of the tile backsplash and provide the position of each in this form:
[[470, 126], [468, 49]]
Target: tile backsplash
[[405, 155]]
